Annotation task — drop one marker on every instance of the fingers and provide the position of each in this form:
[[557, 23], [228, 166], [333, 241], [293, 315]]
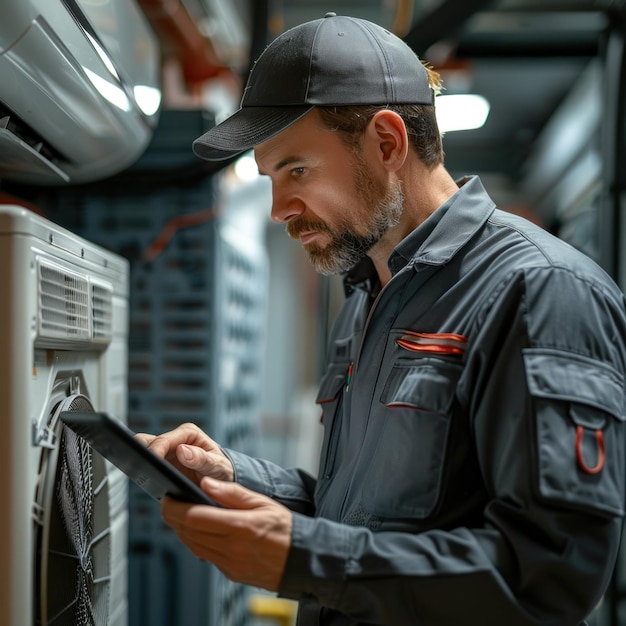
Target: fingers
[[189, 433], [235, 499], [145, 438], [248, 541], [232, 495], [192, 451], [195, 458], [214, 464], [210, 523]]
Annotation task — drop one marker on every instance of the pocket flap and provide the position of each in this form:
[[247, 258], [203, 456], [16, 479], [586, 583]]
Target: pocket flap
[[428, 384], [571, 377], [332, 383]]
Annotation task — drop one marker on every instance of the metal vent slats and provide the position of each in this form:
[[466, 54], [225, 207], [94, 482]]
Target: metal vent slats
[[71, 308]]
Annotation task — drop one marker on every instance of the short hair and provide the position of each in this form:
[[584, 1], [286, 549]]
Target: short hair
[[420, 121]]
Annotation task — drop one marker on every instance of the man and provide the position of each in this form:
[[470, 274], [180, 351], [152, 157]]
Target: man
[[472, 468]]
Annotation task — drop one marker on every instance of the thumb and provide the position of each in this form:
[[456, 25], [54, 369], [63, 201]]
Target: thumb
[[232, 495], [195, 458]]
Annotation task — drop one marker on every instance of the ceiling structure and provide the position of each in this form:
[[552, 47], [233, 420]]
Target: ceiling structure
[[522, 55]]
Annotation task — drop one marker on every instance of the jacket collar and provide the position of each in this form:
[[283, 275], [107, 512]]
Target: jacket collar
[[437, 239], [450, 227]]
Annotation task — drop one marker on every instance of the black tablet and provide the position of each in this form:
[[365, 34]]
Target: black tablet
[[117, 443]]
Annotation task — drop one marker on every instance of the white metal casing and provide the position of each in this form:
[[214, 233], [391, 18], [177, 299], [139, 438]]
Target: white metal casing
[[35, 360]]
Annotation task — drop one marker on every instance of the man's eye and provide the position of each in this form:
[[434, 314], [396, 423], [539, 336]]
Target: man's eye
[[298, 171]]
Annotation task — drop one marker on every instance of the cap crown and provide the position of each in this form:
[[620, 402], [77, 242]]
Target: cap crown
[[337, 60], [330, 61]]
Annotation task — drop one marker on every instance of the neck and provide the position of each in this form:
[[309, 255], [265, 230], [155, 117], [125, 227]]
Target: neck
[[425, 190]]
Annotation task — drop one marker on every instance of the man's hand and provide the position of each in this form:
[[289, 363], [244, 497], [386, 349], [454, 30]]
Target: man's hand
[[248, 540], [192, 451]]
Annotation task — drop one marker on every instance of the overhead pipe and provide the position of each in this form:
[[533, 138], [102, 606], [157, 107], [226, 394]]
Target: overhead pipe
[[178, 31], [403, 17]]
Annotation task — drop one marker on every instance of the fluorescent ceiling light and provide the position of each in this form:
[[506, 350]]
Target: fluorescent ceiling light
[[461, 112]]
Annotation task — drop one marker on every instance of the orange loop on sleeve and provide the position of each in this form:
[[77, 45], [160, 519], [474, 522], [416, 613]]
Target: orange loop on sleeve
[[579, 451]]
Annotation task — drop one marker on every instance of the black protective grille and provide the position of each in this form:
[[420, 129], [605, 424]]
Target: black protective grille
[[74, 544]]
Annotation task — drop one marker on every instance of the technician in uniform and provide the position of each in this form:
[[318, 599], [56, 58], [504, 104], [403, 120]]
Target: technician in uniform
[[472, 469]]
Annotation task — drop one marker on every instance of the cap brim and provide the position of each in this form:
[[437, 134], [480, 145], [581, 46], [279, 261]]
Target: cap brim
[[246, 128]]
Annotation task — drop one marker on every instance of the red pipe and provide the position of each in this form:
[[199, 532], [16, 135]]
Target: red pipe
[[180, 34]]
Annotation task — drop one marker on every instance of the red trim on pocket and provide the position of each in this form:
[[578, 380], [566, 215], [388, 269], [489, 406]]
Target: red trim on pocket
[[326, 400], [439, 343], [407, 345], [579, 451]]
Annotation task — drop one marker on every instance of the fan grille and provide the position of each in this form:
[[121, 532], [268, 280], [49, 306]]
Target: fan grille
[[75, 576]]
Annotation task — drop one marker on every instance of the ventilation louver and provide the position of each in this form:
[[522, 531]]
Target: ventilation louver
[[71, 307], [102, 312]]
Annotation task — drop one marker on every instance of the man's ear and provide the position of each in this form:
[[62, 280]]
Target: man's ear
[[387, 133]]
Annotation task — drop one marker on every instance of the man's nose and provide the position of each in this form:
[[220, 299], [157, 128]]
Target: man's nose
[[285, 207]]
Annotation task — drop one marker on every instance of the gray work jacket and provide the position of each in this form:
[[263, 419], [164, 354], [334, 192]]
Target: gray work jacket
[[473, 460]]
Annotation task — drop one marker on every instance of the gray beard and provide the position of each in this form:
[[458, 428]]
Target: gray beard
[[347, 248]]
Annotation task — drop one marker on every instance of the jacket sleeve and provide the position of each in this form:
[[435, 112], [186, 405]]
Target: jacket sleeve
[[291, 487], [543, 390]]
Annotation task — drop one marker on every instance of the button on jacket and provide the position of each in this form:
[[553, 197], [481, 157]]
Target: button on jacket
[[472, 467]]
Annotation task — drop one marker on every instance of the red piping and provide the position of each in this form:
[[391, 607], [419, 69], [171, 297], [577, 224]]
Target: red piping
[[178, 32]]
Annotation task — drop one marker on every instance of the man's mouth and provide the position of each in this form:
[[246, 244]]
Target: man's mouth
[[305, 231], [308, 236]]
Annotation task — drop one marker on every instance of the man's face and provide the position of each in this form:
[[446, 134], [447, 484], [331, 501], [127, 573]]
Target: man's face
[[326, 195]]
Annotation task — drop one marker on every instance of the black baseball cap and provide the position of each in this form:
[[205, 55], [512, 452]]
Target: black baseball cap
[[335, 60]]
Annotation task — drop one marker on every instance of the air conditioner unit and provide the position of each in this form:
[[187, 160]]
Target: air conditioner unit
[[63, 338], [79, 89]]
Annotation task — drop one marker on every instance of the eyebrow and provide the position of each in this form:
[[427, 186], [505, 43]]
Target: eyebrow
[[284, 163]]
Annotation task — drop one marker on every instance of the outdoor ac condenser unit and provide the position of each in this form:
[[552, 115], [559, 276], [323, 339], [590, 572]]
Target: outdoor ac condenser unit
[[63, 338]]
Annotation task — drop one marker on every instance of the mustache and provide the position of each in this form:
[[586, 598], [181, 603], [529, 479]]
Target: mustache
[[299, 225]]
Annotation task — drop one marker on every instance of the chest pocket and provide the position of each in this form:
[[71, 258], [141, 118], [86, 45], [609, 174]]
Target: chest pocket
[[581, 434], [406, 470]]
